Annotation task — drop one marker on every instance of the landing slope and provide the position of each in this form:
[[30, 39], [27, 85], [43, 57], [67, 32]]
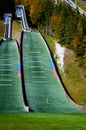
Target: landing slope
[[43, 91], [11, 99]]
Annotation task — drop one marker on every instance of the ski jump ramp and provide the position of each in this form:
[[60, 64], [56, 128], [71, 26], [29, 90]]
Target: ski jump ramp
[[43, 89], [11, 99]]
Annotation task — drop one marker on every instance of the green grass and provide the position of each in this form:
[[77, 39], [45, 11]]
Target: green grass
[[39, 121], [74, 81]]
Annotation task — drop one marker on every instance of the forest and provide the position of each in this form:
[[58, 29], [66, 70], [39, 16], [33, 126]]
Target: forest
[[55, 19]]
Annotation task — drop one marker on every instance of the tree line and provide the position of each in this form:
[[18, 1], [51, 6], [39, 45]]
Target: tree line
[[62, 21]]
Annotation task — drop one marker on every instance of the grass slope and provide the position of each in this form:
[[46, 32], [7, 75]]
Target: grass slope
[[42, 121], [73, 78]]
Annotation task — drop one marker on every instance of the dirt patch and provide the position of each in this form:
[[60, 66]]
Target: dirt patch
[[68, 54]]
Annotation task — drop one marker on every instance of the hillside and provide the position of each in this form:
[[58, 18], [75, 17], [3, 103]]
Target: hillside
[[73, 77]]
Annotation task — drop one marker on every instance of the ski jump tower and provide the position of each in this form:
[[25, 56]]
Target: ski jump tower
[[20, 13], [8, 23]]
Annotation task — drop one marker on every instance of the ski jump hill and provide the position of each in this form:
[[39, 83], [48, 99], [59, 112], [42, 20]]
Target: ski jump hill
[[30, 79]]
